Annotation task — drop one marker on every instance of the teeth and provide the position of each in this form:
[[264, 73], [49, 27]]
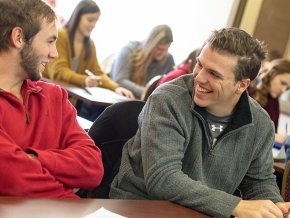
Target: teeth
[[202, 90]]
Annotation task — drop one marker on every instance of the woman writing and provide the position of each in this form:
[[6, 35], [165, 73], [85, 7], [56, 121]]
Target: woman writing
[[77, 62], [270, 84]]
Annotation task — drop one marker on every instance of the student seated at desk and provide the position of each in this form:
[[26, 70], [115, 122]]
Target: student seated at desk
[[77, 62], [266, 89], [138, 62], [43, 150], [201, 138], [185, 68]]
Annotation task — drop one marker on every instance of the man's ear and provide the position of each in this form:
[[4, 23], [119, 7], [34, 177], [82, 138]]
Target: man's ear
[[244, 84], [17, 37]]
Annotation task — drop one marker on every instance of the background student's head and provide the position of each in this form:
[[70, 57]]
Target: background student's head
[[273, 81], [158, 42], [83, 21]]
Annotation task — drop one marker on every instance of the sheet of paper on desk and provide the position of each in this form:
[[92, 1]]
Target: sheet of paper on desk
[[97, 91], [102, 212], [279, 153]]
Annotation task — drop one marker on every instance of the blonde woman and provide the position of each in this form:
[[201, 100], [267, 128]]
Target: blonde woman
[[138, 62]]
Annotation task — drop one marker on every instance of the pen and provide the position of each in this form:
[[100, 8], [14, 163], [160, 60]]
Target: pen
[[88, 91], [89, 73]]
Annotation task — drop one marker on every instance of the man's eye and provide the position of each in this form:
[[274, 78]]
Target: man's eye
[[214, 74]]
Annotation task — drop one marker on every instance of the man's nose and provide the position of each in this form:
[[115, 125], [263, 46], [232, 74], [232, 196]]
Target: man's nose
[[53, 54], [201, 76]]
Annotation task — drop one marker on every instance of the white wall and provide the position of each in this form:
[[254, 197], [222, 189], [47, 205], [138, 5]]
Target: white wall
[[124, 20]]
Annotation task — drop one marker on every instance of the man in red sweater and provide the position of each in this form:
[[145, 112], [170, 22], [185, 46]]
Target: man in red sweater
[[43, 150]]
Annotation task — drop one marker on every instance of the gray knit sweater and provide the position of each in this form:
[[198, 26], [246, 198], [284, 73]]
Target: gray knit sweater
[[171, 156]]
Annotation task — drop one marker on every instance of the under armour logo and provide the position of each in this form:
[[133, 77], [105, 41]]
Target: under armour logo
[[214, 128]]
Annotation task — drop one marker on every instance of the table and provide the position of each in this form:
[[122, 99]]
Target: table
[[279, 167], [84, 123], [13, 207], [103, 97]]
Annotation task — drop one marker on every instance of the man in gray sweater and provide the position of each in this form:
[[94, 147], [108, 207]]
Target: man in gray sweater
[[201, 138]]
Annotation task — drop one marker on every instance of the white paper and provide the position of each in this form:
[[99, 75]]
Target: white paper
[[279, 153], [102, 212], [97, 92]]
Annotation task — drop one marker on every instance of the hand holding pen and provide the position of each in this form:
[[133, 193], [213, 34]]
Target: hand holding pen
[[92, 80]]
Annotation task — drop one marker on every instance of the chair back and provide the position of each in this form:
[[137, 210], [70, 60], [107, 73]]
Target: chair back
[[285, 192], [116, 125], [151, 86]]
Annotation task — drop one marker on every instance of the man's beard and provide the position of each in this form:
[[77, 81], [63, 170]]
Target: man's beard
[[29, 62]]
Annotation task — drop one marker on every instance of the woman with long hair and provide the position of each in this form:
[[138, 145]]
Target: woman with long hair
[[266, 89], [269, 85], [138, 62], [77, 62]]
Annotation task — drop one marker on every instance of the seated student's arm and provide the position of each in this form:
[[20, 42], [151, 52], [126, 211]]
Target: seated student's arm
[[280, 138], [77, 163], [259, 183], [60, 68], [22, 175], [72, 162], [94, 67], [122, 70]]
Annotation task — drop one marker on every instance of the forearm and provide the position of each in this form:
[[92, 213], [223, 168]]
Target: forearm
[[22, 175], [266, 189], [69, 76], [136, 89], [181, 189], [108, 83], [260, 182], [78, 166]]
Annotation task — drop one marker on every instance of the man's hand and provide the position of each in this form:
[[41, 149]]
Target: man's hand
[[280, 138], [124, 92], [260, 209], [285, 208]]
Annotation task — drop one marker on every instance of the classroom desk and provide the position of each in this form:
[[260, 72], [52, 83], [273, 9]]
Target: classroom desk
[[44, 208], [105, 97], [84, 123], [279, 167]]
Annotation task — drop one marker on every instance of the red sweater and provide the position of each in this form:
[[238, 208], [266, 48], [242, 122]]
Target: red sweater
[[273, 109], [181, 70], [45, 123]]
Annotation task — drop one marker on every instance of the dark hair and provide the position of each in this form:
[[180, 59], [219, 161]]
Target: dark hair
[[26, 14], [83, 7], [261, 87], [236, 42], [191, 59]]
